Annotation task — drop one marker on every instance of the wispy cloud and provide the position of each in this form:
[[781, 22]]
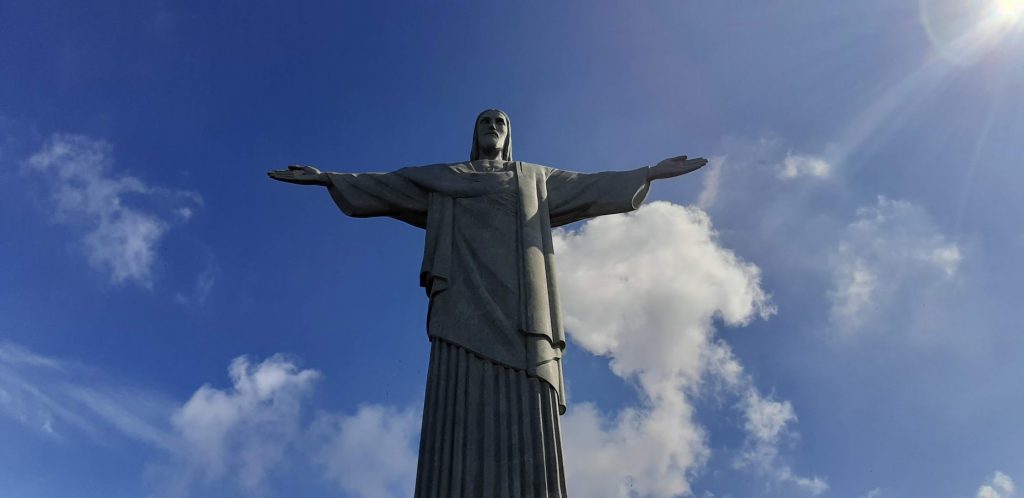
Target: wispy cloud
[[712, 179], [62, 399], [645, 290], [202, 287], [767, 422], [797, 165], [118, 237], [890, 250], [854, 267], [790, 224]]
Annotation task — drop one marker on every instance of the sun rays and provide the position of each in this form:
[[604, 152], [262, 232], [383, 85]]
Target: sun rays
[[965, 30], [975, 44], [1009, 11]]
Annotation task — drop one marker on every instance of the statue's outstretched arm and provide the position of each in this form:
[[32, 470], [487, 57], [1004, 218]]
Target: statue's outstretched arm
[[300, 175], [363, 195], [675, 166]]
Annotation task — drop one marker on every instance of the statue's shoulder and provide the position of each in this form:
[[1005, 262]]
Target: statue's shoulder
[[429, 167], [534, 169], [428, 170]]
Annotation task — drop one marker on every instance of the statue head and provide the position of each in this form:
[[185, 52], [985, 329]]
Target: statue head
[[492, 130]]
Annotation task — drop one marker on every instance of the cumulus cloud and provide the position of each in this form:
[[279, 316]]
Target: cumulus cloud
[[890, 250], [998, 486], [369, 454], [119, 238], [645, 290], [659, 271], [245, 433], [242, 431]]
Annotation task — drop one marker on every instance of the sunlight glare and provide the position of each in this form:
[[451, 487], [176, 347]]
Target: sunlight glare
[[962, 31], [1009, 11]]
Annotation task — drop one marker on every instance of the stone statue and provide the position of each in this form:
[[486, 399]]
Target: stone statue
[[494, 388]]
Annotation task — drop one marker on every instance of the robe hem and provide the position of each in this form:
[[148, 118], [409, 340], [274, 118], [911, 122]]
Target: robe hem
[[482, 356]]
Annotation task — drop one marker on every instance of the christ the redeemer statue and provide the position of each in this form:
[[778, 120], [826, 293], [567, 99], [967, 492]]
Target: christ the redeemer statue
[[494, 388]]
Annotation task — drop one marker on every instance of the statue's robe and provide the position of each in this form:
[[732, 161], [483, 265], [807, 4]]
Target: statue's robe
[[495, 386]]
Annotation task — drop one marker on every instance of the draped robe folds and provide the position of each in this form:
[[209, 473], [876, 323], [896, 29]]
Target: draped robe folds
[[494, 387], [488, 260]]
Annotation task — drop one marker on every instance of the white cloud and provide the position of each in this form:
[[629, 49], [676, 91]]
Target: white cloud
[[243, 431], [891, 250], [999, 486], [795, 165], [645, 290], [660, 272], [372, 453], [643, 451], [120, 238]]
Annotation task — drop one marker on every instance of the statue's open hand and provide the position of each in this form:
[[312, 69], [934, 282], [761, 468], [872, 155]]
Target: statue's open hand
[[675, 166], [302, 175]]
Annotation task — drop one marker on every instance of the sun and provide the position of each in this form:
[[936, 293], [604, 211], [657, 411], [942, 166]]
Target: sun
[[1008, 11], [963, 31]]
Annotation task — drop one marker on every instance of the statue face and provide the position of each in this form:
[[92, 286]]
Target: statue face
[[491, 130]]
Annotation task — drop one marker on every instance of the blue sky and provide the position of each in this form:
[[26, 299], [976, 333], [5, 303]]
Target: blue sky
[[830, 308]]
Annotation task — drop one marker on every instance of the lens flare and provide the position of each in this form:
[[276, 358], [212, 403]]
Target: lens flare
[[965, 30], [1009, 11]]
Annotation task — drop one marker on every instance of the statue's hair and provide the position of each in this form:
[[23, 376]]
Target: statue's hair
[[506, 151]]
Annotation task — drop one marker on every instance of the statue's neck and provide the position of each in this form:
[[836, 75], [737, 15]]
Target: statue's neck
[[490, 154], [488, 165]]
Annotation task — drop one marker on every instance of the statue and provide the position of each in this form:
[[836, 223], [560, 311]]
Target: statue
[[494, 385]]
